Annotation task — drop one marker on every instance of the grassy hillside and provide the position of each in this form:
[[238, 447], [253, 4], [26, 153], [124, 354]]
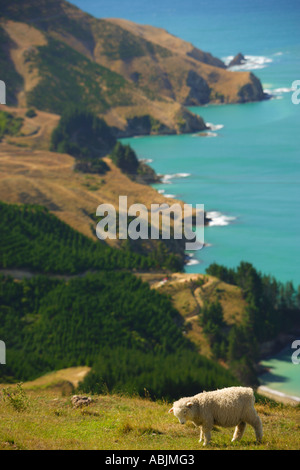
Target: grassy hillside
[[66, 77], [223, 319], [116, 422], [128, 333], [9, 124], [143, 326], [233, 315], [122, 71], [32, 132], [187, 74], [33, 238], [189, 292], [13, 80], [102, 319], [48, 179]]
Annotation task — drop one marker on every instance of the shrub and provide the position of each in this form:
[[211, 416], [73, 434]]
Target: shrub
[[16, 397], [30, 113], [82, 134]]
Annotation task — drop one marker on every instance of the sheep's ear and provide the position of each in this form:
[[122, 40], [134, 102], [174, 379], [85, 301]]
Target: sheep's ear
[[189, 404], [171, 410]]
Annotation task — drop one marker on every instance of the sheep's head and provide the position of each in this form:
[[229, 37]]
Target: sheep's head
[[183, 410]]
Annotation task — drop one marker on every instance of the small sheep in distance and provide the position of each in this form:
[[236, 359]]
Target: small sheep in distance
[[227, 407]]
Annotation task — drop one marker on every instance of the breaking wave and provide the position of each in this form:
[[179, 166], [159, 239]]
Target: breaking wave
[[214, 127], [252, 62], [166, 179], [191, 262], [278, 92], [219, 219]]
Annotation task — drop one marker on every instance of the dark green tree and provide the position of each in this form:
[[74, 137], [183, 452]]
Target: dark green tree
[[125, 158], [82, 134]]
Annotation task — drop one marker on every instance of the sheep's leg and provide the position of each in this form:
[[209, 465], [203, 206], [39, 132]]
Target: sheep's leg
[[255, 422], [206, 430], [239, 431], [201, 434]]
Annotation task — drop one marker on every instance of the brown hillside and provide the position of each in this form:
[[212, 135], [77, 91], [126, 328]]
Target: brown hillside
[[36, 131], [144, 71], [47, 178], [163, 38], [175, 70], [188, 292], [25, 41]]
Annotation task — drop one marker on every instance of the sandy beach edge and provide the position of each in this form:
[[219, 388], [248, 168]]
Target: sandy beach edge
[[278, 396]]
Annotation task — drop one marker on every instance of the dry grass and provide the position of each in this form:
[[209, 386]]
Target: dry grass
[[47, 178], [36, 131], [162, 86], [220, 80], [24, 38], [114, 422], [188, 292], [72, 375]]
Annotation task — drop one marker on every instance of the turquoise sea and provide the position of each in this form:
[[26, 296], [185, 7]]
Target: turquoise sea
[[283, 374], [246, 172]]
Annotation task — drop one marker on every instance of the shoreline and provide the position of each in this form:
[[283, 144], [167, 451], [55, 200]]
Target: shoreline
[[277, 396], [271, 350]]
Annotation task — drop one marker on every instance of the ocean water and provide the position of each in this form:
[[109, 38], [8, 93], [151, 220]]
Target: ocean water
[[247, 175], [246, 171], [283, 374]]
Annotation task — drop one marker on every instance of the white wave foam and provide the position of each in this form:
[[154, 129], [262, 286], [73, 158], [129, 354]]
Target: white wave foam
[[192, 262], [276, 93], [211, 134], [252, 62], [214, 127], [167, 178], [170, 195], [282, 90], [205, 134], [161, 191], [219, 219], [146, 160], [280, 394]]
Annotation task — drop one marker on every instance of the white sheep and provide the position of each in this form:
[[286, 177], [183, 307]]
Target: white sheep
[[227, 407]]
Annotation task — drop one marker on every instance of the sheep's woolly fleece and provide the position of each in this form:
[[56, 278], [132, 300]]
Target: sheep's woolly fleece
[[228, 407]]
